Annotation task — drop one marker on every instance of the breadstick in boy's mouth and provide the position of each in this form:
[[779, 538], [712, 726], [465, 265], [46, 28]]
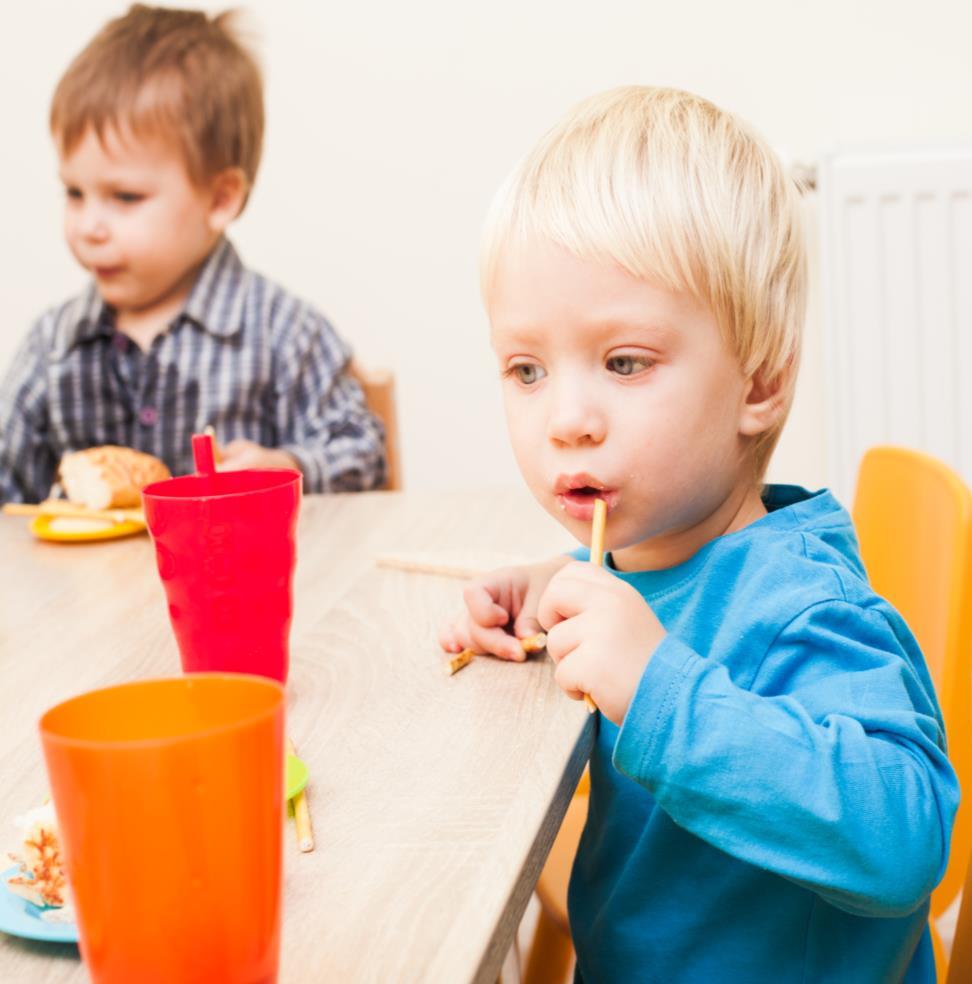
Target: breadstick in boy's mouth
[[531, 644], [597, 559]]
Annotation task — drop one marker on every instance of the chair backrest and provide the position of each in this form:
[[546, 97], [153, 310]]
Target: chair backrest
[[913, 516], [379, 392], [960, 963]]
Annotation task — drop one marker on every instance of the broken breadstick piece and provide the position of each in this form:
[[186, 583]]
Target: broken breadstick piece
[[458, 662], [535, 643], [531, 644]]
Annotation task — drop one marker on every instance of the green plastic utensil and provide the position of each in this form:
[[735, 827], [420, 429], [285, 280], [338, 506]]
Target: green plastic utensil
[[296, 777]]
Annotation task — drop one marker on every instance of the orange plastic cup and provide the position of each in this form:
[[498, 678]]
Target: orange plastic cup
[[169, 796]]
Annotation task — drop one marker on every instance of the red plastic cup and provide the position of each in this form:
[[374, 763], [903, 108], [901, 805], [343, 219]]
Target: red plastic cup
[[169, 797], [226, 549]]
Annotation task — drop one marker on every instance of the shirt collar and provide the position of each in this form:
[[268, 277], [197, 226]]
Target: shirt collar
[[217, 298], [86, 317], [215, 303]]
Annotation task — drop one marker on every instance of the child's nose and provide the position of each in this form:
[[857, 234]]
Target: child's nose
[[92, 224], [575, 419]]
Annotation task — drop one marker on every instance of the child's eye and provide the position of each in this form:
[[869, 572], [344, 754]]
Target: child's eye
[[128, 197], [628, 365], [74, 193], [527, 373]]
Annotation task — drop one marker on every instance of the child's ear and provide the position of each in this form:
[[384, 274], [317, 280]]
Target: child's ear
[[228, 191], [765, 402]]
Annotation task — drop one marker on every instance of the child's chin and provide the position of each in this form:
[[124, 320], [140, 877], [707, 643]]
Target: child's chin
[[110, 294], [119, 299]]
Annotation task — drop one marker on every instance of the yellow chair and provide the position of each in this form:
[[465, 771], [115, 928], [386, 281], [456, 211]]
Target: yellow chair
[[379, 393], [913, 516], [551, 950], [960, 966]]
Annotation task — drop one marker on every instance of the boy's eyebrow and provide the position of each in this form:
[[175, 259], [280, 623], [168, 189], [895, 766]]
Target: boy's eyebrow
[[659, 331], [656, 332], [520, 333], [106, 184]]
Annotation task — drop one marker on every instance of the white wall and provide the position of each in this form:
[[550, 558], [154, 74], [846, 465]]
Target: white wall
[[391, 124]]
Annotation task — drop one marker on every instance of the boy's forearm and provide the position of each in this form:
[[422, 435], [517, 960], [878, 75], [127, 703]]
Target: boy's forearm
[[340, 465], [15, 486], [28, 458], [27, 466], [710, 753]]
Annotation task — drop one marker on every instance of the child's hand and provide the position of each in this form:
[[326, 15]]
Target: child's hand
[[496, 603], [601, 634], [248, 454]]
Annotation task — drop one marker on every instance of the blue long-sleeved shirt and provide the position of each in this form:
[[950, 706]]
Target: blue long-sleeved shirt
[[777, 804]]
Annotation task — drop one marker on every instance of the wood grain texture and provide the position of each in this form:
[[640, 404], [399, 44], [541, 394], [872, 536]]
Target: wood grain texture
[[434, 799]]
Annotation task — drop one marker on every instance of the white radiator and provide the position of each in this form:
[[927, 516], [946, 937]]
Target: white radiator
[[896, 279]]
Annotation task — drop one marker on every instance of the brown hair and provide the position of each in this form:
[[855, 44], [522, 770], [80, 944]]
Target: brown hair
[[174, 72]]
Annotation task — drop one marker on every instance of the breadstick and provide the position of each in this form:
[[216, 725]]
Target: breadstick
[[597, 559], [531, 644]]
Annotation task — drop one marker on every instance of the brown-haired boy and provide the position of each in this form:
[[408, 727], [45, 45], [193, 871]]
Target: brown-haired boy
[[158, 125]]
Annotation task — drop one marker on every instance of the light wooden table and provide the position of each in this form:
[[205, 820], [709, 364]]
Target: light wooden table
[[434, 799]]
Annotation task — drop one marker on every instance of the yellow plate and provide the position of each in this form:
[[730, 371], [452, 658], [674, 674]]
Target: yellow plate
[[67, 529]]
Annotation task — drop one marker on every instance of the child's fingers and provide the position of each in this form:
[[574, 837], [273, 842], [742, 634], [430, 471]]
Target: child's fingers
[[566, 675], [496, 641], [449, 638], [564, 637], [235, 460], [526, 625], [572, 590], [482, 606], [464, 633], [526, 622], [236, 448], [566, 596]]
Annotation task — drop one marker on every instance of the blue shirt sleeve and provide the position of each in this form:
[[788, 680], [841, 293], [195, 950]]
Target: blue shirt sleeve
[[829, 769]]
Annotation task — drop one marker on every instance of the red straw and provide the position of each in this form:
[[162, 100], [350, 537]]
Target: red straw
[[204, 454]]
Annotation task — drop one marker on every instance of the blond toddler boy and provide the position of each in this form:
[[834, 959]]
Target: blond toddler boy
[[770, 795]]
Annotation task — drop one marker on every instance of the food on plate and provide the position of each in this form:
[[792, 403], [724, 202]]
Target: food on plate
[[42, 878], [73, 525]]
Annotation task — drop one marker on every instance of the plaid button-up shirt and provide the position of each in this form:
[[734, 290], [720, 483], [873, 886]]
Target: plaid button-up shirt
[[244, 356]]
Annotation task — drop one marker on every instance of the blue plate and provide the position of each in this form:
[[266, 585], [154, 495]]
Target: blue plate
[[22, 918]]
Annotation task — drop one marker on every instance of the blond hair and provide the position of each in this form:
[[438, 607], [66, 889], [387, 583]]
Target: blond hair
[[168, 72], [673, 190]]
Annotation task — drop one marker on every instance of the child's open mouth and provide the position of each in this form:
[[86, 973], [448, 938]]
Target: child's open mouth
[[578, 493]]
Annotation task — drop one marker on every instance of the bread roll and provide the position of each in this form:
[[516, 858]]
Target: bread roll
[[109, 477]]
